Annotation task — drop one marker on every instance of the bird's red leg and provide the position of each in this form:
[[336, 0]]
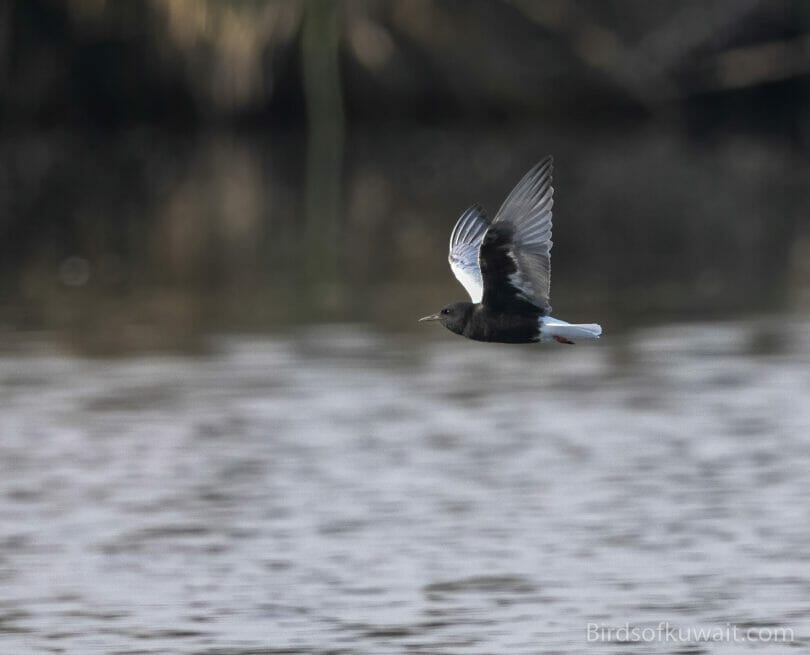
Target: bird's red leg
[[563, 340]]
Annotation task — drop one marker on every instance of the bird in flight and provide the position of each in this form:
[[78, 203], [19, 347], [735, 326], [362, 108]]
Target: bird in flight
[[505, 266]]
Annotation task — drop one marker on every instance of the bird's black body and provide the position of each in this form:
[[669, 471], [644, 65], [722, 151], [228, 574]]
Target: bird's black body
[[477, 322]]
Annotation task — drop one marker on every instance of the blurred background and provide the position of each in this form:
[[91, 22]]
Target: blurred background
[[169, 168], [222, 430]]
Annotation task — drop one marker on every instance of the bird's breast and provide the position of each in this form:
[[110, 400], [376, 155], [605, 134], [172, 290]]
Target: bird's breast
[[503, 328]]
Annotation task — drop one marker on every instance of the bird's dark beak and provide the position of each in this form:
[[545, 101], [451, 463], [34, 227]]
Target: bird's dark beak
[[432, 317]]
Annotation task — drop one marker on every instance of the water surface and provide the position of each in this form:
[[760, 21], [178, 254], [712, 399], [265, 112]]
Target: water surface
[[347, 491]]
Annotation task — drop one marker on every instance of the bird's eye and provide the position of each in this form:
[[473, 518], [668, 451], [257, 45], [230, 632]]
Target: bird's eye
[[445, 311]]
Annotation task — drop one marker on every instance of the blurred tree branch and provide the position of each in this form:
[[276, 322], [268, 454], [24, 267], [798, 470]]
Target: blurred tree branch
[[646, 71], [325, 119], [6, 10], [758, 64]]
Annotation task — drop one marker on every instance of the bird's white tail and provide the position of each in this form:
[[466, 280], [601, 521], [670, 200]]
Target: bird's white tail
[[552, 328]]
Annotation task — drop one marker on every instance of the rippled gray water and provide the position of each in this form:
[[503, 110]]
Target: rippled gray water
[[347, 492]]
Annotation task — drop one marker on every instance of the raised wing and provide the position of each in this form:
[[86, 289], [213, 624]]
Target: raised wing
[[515, 254], [465, 240]]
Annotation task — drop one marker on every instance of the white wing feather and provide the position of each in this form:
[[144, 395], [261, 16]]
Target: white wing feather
[[465, 241]]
